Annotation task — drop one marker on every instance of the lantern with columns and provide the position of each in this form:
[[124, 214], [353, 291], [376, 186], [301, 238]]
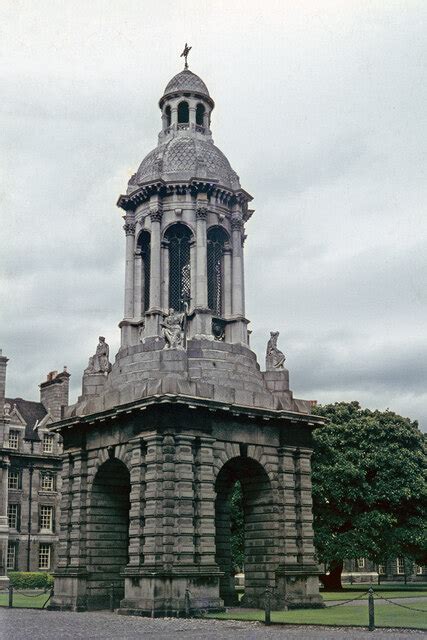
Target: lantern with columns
[[184, 225]]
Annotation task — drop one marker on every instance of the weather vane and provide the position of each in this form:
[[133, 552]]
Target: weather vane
[[185, 54]]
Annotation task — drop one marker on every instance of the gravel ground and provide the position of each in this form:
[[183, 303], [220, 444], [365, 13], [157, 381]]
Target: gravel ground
[[25, 624]]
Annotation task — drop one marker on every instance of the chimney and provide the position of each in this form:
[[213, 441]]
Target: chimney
[[54, 393], [3, 365]]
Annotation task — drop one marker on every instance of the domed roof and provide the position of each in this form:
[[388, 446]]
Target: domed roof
[[186, 80], [183, 158]]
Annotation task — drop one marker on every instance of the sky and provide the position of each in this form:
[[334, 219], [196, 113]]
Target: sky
[[321, 110]]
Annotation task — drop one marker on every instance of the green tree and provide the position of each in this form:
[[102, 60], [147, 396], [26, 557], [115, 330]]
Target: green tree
[[369, 487]]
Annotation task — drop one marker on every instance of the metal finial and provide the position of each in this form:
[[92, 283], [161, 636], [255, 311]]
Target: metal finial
[[185, 54]]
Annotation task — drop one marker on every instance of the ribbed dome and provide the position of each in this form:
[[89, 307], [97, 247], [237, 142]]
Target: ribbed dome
[[183, 158], [186, 81]]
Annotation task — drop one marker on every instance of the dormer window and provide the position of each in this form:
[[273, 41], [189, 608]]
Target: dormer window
[[48, 443], [183, 112], [13, 439], [200, 114]]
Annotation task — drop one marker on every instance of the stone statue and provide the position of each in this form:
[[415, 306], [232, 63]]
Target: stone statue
[[100, 363], [274, 358], [173, 330]]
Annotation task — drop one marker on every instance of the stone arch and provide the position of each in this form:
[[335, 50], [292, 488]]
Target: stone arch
[[143, 245], [183, 112], [108, 529], [200, 114], [217, 239], [261, 528]]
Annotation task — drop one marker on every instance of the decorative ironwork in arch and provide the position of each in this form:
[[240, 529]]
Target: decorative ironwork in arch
[[217, 238], [144, 246], [179, 238]]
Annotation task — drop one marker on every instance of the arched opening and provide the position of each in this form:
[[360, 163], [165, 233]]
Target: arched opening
[[183, 112], [200, 114], [108, 534], [217, 237], [179, 238], [168, 115], [257, 547], [144, 245]]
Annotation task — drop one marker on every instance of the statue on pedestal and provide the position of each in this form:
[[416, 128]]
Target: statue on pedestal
[[274, 358], [100, 363], [172, 329]]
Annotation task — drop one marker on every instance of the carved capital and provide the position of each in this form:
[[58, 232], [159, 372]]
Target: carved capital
[[129, 228], [156, 215], [202, 213], [236, 223]]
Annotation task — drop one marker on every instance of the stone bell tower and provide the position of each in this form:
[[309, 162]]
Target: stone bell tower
[[158, 439], [184, 222]]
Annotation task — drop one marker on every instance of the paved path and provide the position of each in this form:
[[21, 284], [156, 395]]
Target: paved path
[[25, 624]]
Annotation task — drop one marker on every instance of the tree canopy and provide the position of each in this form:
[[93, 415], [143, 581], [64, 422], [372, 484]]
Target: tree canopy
[[369, 487]]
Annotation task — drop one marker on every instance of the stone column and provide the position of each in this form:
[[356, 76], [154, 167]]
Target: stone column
[[155, 312], [174, 116], [205, 503], [129, 228], [184, 496], [193, 273], [138, 284], [192, 116], [201, 258], [297, 577], [137, 502], [4, 527], [165, 275], [237, 276], [227, 281], [152, 531]]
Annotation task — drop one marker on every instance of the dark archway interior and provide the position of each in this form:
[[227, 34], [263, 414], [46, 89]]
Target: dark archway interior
[[200, 113], [108, 534], [183, 112], [260, 530]]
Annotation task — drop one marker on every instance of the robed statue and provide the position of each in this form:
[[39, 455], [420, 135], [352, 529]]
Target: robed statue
[[100, 362], [274, 358], [172, 329]]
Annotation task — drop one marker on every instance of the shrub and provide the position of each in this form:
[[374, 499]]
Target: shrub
[[30, 579]]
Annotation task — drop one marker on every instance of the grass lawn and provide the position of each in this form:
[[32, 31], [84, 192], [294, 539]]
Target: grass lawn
[[24, 601], [385, 590], [346, 615]]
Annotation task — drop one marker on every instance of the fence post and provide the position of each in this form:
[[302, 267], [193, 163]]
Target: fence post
[[112, 597], [267, 605], [10, 588], [187, 602], [371, 609]]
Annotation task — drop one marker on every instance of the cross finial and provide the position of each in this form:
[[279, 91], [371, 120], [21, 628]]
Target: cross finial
[[185, 54]]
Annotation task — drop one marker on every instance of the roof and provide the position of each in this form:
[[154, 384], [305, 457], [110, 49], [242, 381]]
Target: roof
[[31, 412], [186, 80], [183, 158]]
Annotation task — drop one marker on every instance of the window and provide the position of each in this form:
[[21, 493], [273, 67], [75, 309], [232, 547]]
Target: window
[[144, 240], [200, 112], [11, 557], [183, 112], [381, 569], [48, 443], [400, 566], [13, 439], [44, 556], [47, 481], [361, 563], [13, 479], [13, 516], [179, 237], [217, 238], [46, 518], [418, 569]]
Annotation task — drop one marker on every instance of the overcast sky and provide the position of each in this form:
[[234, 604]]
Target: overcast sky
[[321, 110]]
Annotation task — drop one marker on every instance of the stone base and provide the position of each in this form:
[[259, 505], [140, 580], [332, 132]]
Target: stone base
[[297, 587], [4, 583], [70, 591], [164, 594]]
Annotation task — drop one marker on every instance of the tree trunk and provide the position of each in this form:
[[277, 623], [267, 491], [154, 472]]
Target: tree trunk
[[332, 580]]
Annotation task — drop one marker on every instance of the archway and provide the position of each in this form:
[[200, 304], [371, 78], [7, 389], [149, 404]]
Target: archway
[[260, 530], [108, 534]]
